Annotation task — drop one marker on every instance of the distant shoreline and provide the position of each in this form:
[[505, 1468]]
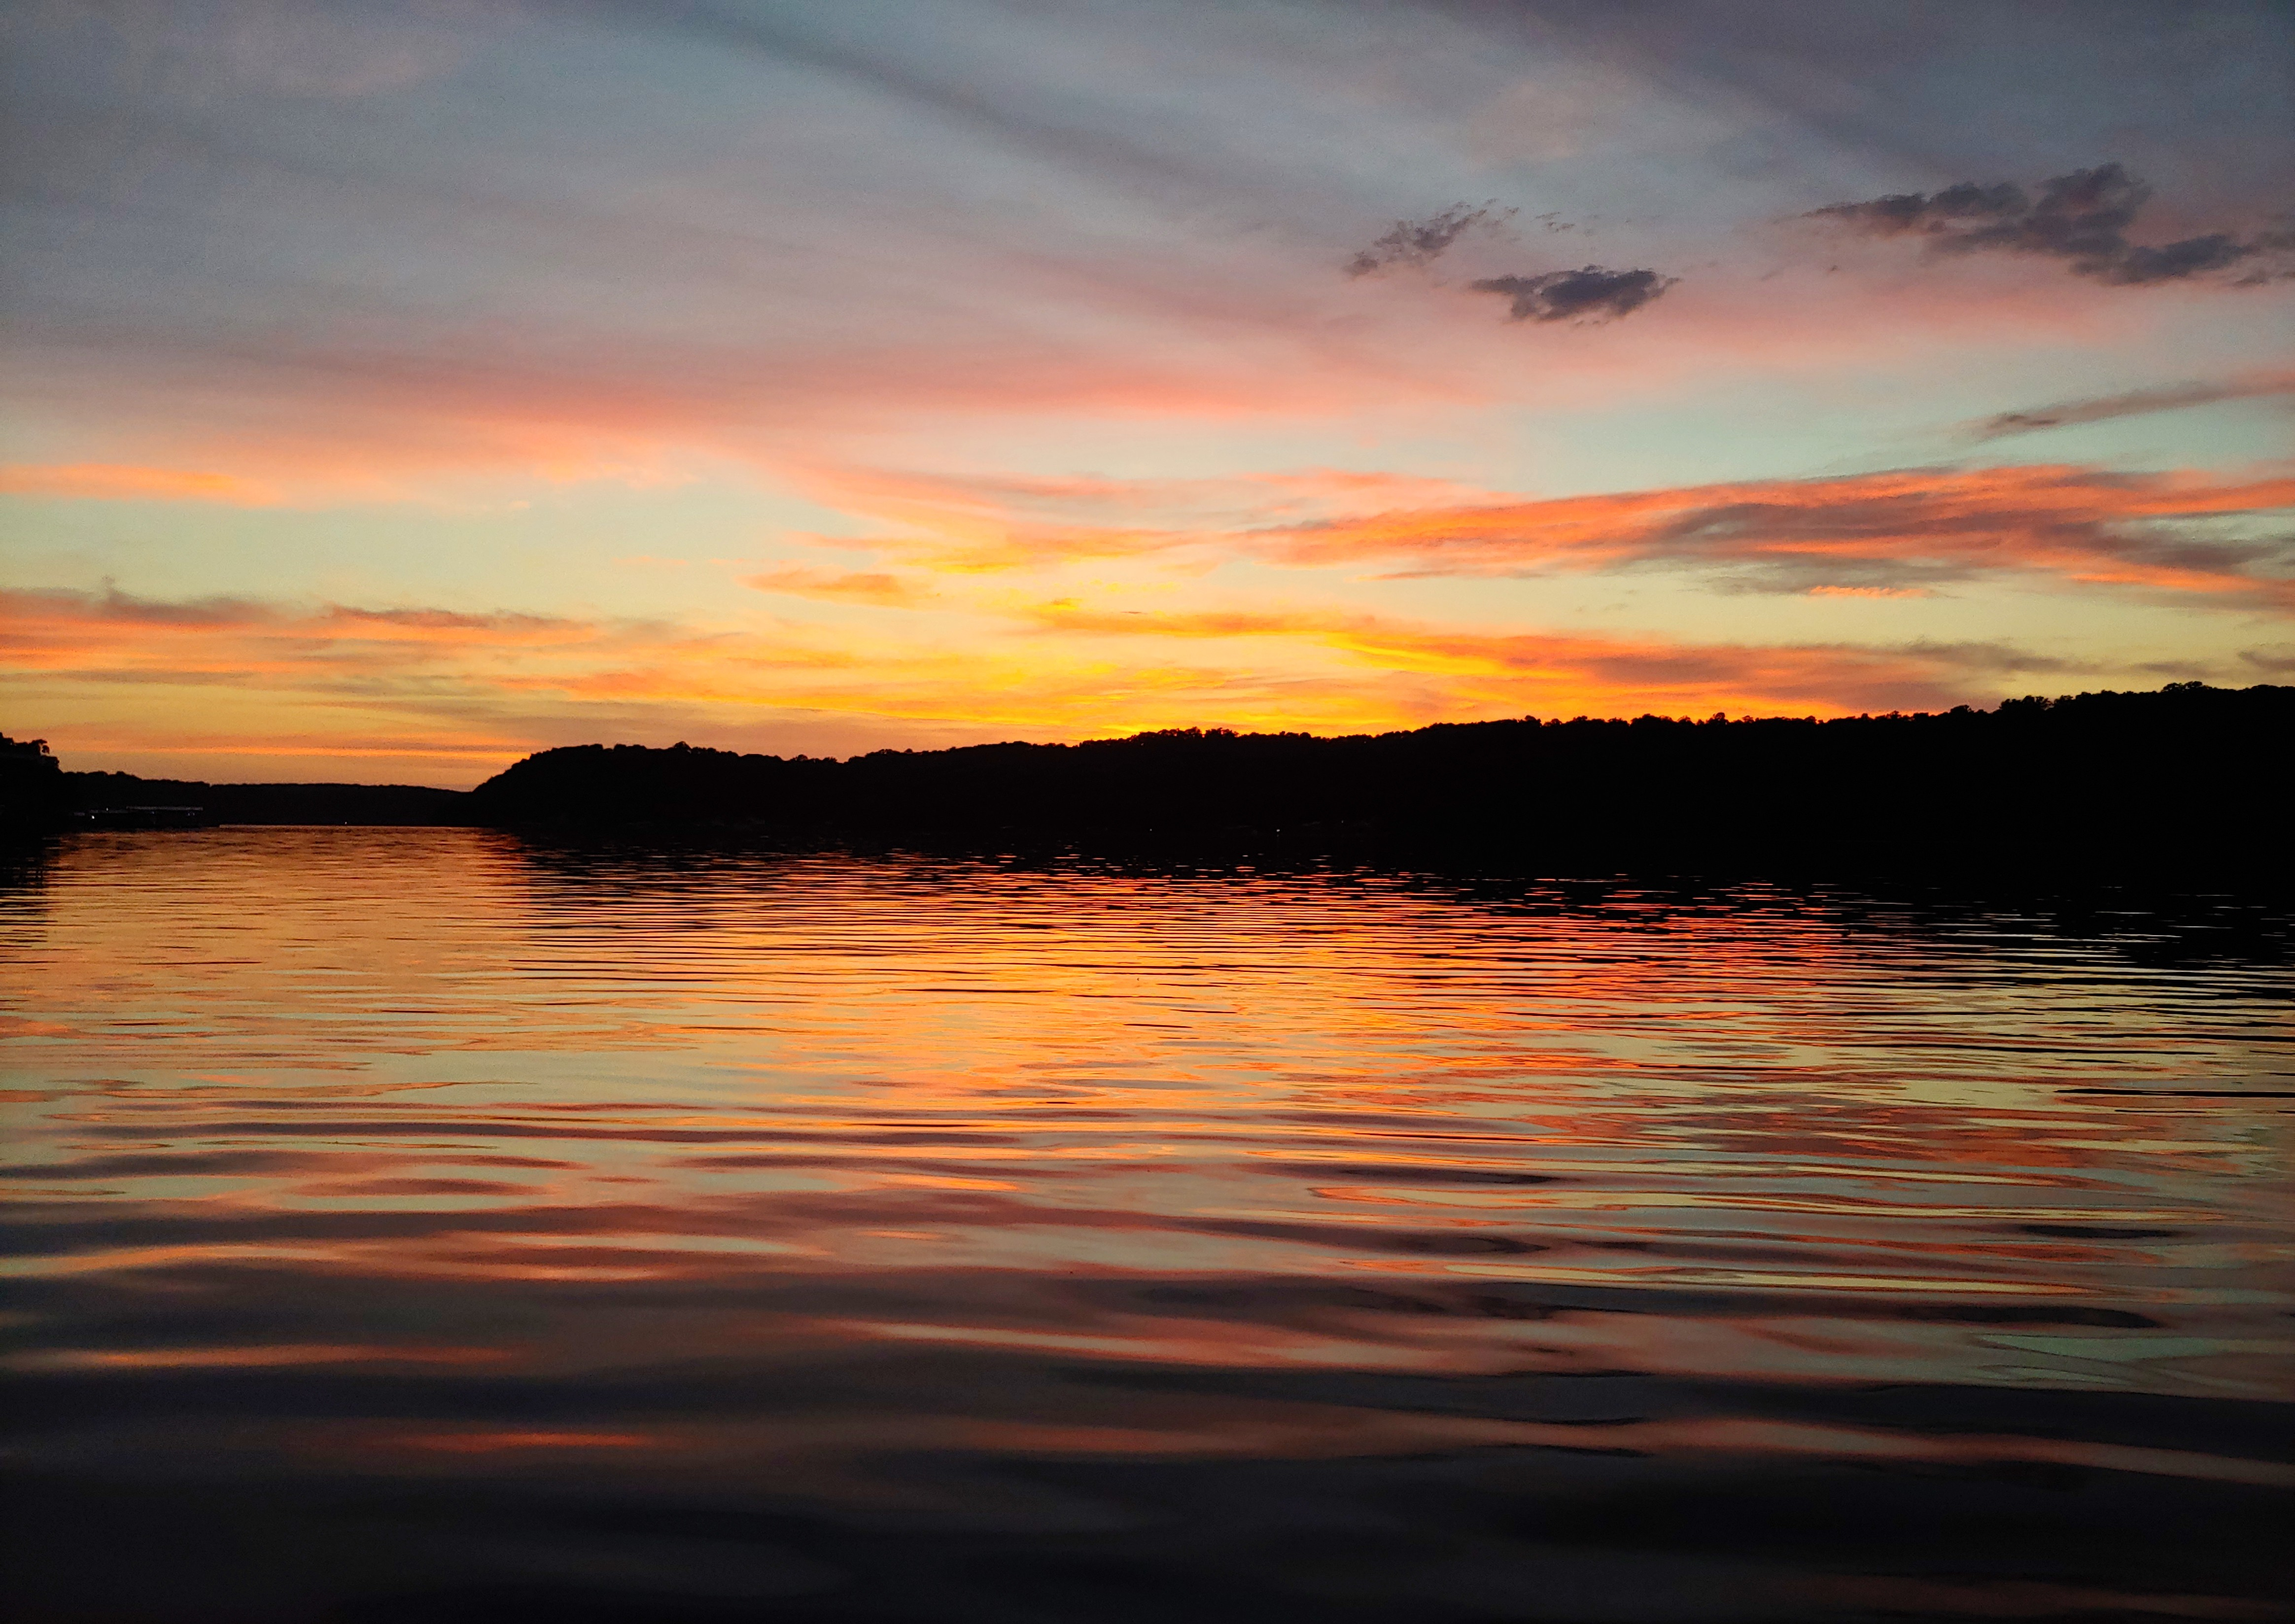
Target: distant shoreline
[[2181, 781]]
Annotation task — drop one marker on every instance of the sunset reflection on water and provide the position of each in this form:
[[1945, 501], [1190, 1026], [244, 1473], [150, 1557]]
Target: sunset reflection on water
[[426, 1223]]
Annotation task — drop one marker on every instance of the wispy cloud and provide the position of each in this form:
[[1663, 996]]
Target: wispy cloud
[[221, 677], [2134, 403], [870, 587], [1626, 673], [1907, 527], [118, 635], [2082, 219], [1419, 243], [995, 522], [129, 482], [1588, 294], [2192, 534]]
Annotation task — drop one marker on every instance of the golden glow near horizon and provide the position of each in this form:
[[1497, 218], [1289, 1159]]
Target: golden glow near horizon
[[393, 391]]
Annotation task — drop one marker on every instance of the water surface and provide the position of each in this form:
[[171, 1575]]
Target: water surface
[[415, 1223]]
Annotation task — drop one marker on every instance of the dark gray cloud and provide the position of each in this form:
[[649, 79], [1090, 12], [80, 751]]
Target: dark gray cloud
[[1419, 243], [1990, 657], [2082, 219], [1592, 293], [2135, 403], [2199, 89]]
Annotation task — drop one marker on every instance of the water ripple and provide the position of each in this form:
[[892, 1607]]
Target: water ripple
[[901, 1237]]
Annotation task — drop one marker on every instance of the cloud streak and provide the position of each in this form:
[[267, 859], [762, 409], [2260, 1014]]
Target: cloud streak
[[130, 482], [2134, 403], [1907, 528], [446, 694], [1628, 673], [2081, 218], [874, 587], [2191, 533], [1419, 243]]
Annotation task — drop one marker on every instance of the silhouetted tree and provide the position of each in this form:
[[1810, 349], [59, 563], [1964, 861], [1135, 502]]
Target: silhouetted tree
[[2102, 782]]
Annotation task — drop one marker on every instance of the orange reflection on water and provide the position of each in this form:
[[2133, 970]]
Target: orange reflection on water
[[350, 1151]]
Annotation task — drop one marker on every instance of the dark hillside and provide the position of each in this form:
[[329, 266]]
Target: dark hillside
[[2186, 780]]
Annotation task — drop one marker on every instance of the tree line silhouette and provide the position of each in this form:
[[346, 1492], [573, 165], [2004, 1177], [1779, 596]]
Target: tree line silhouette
[[2186, 777], [2187, 780], [39, 797]]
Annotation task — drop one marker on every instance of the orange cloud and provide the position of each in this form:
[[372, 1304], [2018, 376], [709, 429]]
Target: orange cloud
[[194, 685], [119, 635], [448, 694], [1547, 672], [127, 482], [311, 419], [883, 591], [1002, 522], [1880, 533], [1885, 529]]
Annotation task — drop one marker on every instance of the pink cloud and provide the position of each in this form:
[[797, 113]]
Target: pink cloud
[[877, 588], [1889, 533], [238, 677], [127, 482]]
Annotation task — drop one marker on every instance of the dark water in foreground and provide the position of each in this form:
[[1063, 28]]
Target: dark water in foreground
[[413, 1224]]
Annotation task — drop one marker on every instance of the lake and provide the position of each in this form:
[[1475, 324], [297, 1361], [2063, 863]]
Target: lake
[[428, 1224]]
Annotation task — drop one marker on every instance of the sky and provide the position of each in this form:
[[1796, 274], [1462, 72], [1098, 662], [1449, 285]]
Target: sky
[[395, 388]]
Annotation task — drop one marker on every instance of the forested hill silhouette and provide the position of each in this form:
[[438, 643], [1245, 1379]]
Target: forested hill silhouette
[[361, 804], [2188, 779], [38, 798]]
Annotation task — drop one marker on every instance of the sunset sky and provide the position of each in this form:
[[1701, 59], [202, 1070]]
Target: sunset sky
[[398, 387]]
